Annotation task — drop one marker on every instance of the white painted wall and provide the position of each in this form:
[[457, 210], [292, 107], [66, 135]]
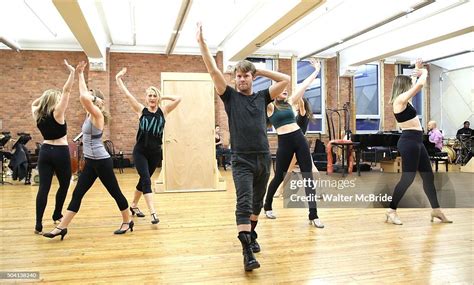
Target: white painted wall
[[451, 98]]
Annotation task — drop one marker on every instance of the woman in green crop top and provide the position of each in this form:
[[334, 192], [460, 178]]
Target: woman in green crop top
[[291, 141]]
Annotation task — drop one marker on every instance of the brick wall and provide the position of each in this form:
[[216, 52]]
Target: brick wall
[[389, 119], [25, 75]]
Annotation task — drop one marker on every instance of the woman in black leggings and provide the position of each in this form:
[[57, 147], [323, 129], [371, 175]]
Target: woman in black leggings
[[303, 117], [49, 113], [291, 141], [98, 161], [147, 150], [410, 145]]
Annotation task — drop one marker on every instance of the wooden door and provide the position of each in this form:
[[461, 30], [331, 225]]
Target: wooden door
[[189, 159]]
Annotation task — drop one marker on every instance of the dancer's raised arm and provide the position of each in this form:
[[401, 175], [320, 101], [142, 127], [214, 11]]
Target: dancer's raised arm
[[216, 75], [137, 107]]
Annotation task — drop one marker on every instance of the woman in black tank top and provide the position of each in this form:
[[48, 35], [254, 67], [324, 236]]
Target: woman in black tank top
[[54, 152], [147, 150], [410, 145]]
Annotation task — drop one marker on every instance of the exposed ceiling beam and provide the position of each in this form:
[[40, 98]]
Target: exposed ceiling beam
[[424, 32], [371, 28], [267, 31], [182, 15], [75, 18]]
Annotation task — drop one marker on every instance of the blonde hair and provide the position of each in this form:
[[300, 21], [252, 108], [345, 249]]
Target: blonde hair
[[48, 102], [153, 89], [98, 93], [401, 84]]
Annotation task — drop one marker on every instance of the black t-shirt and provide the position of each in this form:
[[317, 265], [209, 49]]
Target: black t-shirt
[[465, 131], [247, 120]]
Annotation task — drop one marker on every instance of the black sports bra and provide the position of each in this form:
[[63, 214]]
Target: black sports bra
[[51, 129], [407, 114]]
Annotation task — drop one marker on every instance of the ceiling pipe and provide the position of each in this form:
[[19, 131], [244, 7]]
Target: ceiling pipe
[[10, 43]]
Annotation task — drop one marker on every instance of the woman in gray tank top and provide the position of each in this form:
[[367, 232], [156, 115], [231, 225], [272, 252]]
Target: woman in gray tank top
[[98, 161]]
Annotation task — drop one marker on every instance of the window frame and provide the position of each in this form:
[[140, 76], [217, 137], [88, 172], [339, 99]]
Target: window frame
[[321, 116], [379, 101]]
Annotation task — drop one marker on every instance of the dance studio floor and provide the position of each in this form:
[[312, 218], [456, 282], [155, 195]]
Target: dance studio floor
[[196, 242]]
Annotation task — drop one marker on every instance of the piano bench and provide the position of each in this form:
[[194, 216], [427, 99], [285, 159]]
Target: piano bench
[[440, 156]]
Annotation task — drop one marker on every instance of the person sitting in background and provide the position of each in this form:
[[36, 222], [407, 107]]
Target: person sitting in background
[[220, 149], [435, 136], [466, 130]]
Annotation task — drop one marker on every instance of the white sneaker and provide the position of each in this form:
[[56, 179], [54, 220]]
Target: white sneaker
[[392, 217], [317, 223], [270, 214]]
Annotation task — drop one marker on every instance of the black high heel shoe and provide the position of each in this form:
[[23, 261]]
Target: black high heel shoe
[[155, 219], [62, 233], [137, 211], [130, 227]]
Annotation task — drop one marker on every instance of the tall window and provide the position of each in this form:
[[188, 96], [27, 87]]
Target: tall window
[[261, 83], [416, 101], [367, 97], [313, 94]]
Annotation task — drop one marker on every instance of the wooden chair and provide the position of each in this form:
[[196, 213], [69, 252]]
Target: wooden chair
[[335, 139], [116, 157]]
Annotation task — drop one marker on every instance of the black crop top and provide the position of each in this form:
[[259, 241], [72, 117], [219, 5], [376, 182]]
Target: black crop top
[[407, 114], [50, 129], [302, 122]]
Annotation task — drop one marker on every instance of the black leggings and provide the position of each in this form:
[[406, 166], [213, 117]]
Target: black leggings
[[414, 158], [102, 168], [289, 144], [53, 159], [146, 162]]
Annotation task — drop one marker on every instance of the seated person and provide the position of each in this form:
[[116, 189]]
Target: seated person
[[220, 150], [435, 136], [468, 132]]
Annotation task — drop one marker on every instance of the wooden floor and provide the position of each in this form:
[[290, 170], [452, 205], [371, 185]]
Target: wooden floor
[[196, 242]]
